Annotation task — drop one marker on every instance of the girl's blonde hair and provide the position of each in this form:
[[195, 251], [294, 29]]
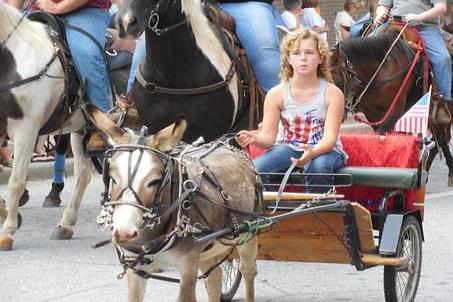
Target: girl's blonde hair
[[292, 41]]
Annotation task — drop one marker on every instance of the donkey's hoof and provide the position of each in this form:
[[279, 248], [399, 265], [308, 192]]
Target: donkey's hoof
[[6, 243], [450, 181], [24, 198], [51, 202], [60, 233]]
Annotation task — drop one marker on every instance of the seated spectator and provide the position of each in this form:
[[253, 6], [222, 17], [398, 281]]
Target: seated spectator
[[293, 13], [345, 18], [311, 19]]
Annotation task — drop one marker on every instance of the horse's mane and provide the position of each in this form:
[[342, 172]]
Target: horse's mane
[[9, 18], [366, 50], [205, 37]]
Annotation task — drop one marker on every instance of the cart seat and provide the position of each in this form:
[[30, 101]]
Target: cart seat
[[397, 178]]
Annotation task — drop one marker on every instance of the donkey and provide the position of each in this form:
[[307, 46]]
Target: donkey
[[156, 200], [187, 70], [31, 87]]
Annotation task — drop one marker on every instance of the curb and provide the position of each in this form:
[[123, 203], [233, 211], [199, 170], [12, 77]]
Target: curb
[[38, 171]]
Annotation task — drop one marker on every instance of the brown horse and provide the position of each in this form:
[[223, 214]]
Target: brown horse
[[160, 200], [355, 62]]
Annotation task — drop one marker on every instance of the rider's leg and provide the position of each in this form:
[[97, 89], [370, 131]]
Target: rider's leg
[[324, 163], [256, 29], [441, 62], [276, 159], [137, 59], [90, 61]]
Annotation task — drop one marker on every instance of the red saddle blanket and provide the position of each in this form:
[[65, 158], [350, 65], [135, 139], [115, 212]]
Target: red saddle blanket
[[374, 150]]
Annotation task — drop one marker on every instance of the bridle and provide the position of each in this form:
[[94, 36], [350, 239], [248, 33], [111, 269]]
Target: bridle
[[160, 9]]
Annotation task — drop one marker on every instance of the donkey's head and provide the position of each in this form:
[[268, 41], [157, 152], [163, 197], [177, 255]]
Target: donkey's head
[[136, 172], [134, 15]]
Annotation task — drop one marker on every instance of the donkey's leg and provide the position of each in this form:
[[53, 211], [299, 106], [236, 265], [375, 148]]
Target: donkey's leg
[[448, 158], [213, 282], [135, 287], [432, 154], [82, 174], [24, 140], [247, 254], [188, 269]]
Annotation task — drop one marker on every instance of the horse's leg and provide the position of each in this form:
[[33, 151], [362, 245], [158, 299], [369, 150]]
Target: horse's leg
[[432, 154], [24, 140], [213, 282], [247, 254], [444, 141], [135, 287], [188, 270], [82, 174]]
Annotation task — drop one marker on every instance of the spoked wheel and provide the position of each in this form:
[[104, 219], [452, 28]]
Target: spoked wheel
[[401, 283], [231, 278]]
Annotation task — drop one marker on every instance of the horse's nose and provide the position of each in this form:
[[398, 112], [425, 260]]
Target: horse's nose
[[123, 234]]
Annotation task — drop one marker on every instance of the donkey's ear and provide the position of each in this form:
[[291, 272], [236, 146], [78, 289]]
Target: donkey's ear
[[111, 131], [168, 137]]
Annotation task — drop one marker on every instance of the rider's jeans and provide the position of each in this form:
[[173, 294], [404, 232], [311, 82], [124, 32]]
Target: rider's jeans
[[139, 56], [278, 159], [256, 29], [87, 56], [439, 57]]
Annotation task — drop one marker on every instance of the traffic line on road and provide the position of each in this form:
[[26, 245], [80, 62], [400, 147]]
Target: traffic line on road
[[439, 195]]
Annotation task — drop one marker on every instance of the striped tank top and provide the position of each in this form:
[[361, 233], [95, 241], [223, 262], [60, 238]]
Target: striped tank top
[[304, 123]]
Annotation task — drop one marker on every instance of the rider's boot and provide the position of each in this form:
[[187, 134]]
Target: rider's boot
[[96, 144], [53, 198], [441, 113]]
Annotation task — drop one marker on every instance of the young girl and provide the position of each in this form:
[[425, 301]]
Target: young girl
[[302, 115]]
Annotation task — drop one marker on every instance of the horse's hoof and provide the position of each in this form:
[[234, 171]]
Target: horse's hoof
[[24, 198], [60, 233], [51, 202], [6, 243], [450, 181]]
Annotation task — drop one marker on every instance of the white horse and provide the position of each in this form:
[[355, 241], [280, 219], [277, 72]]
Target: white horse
[[25, 51], [160, 200]]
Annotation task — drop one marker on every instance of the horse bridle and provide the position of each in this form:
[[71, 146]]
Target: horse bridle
[[160, 9]]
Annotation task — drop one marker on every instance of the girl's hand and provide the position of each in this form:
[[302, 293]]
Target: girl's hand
[[47, 6], [308, 155], [245, 138]]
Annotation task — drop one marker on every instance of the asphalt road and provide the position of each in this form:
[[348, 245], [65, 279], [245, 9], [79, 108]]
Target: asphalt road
[[40, 269]]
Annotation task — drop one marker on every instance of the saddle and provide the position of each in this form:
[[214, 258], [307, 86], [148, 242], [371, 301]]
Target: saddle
[[69, 100], [249, 89]]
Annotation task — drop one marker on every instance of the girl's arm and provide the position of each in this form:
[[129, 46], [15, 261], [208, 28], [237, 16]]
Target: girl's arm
[[266, 136], [334, 115], [436, 11], [59, 8]]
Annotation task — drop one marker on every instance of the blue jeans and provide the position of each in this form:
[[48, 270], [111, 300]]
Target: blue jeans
[[438, 56], [87, 56], [256, 29], [278, 159], [137, 59], [357, 26]]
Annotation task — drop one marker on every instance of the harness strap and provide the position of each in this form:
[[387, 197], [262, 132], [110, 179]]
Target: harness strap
[[38, 76], [153, 88]]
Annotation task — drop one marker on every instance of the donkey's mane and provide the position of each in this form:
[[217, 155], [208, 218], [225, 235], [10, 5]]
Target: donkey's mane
[[368, 50], [27, 31]]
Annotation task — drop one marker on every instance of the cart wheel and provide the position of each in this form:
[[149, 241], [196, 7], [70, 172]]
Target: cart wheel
[[231, 278], [401, 283]]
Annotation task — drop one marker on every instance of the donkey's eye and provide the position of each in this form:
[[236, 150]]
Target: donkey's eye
[[152, 183]]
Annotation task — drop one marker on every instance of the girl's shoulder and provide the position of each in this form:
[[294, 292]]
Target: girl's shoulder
[[333, 92], [276, 94]]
